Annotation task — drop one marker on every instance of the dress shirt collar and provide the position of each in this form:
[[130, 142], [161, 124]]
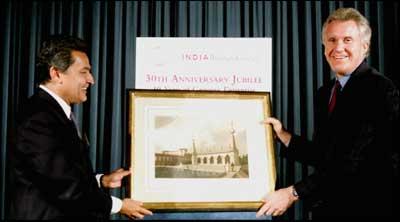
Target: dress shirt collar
[[343, 80], [60, 101]]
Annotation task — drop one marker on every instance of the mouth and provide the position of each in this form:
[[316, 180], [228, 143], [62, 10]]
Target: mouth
[[339, 58], [85, 89]]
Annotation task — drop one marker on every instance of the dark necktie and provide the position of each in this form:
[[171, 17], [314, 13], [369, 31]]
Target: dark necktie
[[72, 116], [332, 102]]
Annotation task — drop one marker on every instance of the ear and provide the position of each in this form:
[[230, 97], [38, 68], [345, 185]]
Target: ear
[[55, 74], [365, 46]]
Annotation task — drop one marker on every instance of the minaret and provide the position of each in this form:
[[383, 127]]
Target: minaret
[[194, 154], [234, 147]]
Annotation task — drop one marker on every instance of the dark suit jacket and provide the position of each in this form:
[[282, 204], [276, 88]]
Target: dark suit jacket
[[53, 176], [354, 150]]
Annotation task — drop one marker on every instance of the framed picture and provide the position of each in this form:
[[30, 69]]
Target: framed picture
[[200, 150]]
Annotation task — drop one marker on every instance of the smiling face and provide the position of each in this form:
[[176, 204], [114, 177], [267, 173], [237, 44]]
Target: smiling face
[[344, 48], [76, 79]]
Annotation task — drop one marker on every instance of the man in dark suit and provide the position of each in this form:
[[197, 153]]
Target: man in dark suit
[[354, 149], [51, 170]]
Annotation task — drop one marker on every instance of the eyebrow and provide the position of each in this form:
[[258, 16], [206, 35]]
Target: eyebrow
[[87, 68]]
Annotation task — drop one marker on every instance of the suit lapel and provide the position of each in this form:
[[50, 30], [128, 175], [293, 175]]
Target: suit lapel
[[54, 106], [352, 82], [60, 114], [347, 91]]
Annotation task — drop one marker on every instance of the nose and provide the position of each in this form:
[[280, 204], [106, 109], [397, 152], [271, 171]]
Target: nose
[[339, 46], [90, 79]]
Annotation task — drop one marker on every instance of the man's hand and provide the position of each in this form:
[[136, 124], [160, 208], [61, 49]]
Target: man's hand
[[113, 180], [133, 209], [277, 202], [283, 135]]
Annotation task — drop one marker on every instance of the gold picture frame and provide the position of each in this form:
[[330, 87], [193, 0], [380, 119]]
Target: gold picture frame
[[200, 150]]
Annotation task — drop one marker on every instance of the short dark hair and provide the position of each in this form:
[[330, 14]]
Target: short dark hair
[[56, 52]]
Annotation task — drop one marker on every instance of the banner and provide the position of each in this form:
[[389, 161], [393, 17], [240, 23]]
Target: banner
[[223, 64]]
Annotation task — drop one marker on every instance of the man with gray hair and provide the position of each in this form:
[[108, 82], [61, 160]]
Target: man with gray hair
[[354, 150]]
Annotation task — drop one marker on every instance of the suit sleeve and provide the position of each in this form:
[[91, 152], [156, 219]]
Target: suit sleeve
[[302, 150], [53, 164], [392, 107]]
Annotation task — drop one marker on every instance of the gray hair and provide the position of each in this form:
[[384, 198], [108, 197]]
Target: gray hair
[[350, 14]]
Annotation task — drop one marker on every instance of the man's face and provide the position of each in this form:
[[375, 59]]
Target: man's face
[[344, 49], [77, 79]]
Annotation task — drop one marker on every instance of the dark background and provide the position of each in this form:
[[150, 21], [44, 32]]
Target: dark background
[[110, 28]]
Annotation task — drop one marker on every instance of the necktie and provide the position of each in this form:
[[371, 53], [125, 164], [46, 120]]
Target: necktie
[[332, 102], [72, 116]]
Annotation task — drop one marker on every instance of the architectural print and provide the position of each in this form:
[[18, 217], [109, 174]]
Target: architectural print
[[223, 157]]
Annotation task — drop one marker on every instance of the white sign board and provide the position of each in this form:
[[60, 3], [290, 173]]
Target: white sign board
[[224, 64]]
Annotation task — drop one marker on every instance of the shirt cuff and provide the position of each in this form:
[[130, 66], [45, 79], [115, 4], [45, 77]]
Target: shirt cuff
[[116, 202], [98, 177], [116, 205]]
